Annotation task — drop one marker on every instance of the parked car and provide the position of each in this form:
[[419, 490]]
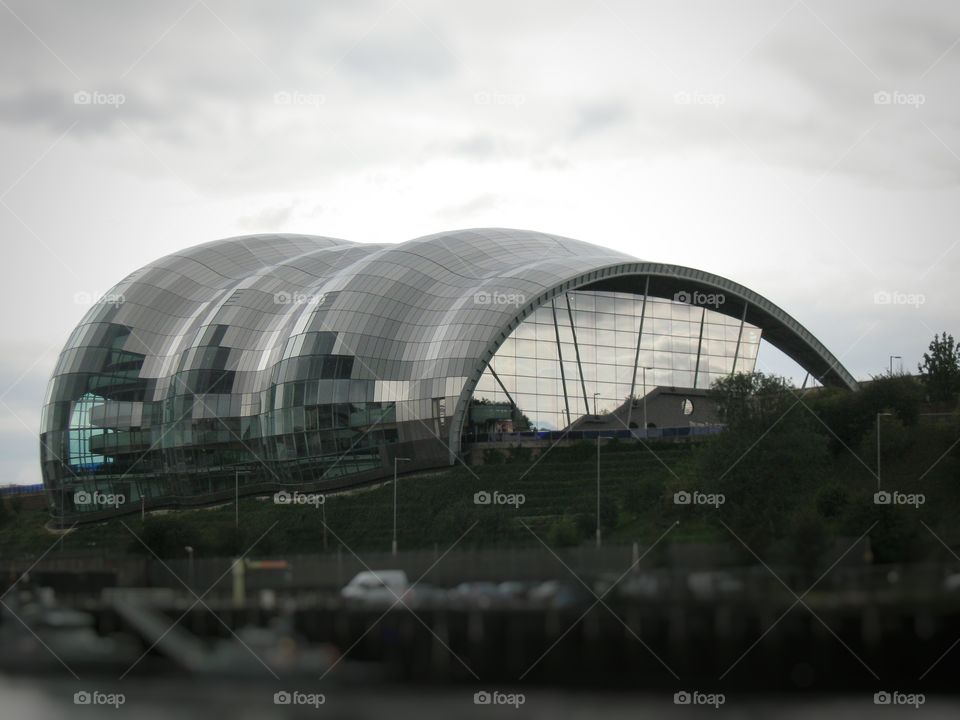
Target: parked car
[[475, 594], [378, 587], [514, 591], [709, 584], [556, 594], [638, 585]]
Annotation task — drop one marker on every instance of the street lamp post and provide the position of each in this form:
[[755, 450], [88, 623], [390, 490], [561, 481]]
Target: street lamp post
[[395, 461], [598, 489], [596, 412], [189, 550], [323, 509], [236, 495], [892, 358], [878, 447], [645, 399]]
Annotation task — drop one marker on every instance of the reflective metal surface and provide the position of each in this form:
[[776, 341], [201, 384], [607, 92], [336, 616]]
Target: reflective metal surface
[[285, 359]]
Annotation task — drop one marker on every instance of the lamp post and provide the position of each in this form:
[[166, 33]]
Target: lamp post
[[645, 399], [395, 461], [595, 411], [236, 495], [189, 550], [892, 357], [323, 509], [878, 447], [598, 490]]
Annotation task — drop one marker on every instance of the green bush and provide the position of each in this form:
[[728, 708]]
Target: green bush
[[492, 456], [519, 454], [564, 533]]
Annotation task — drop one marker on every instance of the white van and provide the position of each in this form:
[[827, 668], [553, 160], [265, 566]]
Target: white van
[[378, 587]]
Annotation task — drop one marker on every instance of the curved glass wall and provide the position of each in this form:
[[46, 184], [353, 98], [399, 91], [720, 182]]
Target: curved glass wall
[[578, 354]]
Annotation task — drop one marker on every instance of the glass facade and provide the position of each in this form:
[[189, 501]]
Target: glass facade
[[271, 360], [578, 354]]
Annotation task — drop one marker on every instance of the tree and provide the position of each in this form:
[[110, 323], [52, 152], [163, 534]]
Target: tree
[[809, 540], [770, 460], [940, 369], [748, 399], [852, 416]]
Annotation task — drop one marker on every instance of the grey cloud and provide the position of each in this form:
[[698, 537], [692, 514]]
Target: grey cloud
[[597, 117], [272, 219], [471, 208], [393, 63]]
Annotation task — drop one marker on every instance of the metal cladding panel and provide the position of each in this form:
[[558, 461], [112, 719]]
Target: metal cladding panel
[[252, 330]]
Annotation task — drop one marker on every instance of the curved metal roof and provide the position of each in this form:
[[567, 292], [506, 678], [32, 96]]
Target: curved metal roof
[[417, 316]]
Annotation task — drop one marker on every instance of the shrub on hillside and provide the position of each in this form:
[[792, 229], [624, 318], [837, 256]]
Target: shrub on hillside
[[492, 456], [563, 533]]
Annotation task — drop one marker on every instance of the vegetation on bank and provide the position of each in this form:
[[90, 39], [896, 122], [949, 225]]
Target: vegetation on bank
[[797, 472]]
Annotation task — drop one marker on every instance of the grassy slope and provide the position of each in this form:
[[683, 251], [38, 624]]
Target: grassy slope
[[434, 508], [637, 487]]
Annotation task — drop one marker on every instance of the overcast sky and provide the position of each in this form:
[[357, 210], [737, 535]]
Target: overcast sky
[[743, 138]]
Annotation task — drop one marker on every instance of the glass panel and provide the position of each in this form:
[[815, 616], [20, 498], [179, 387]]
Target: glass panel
[[606, 327]]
